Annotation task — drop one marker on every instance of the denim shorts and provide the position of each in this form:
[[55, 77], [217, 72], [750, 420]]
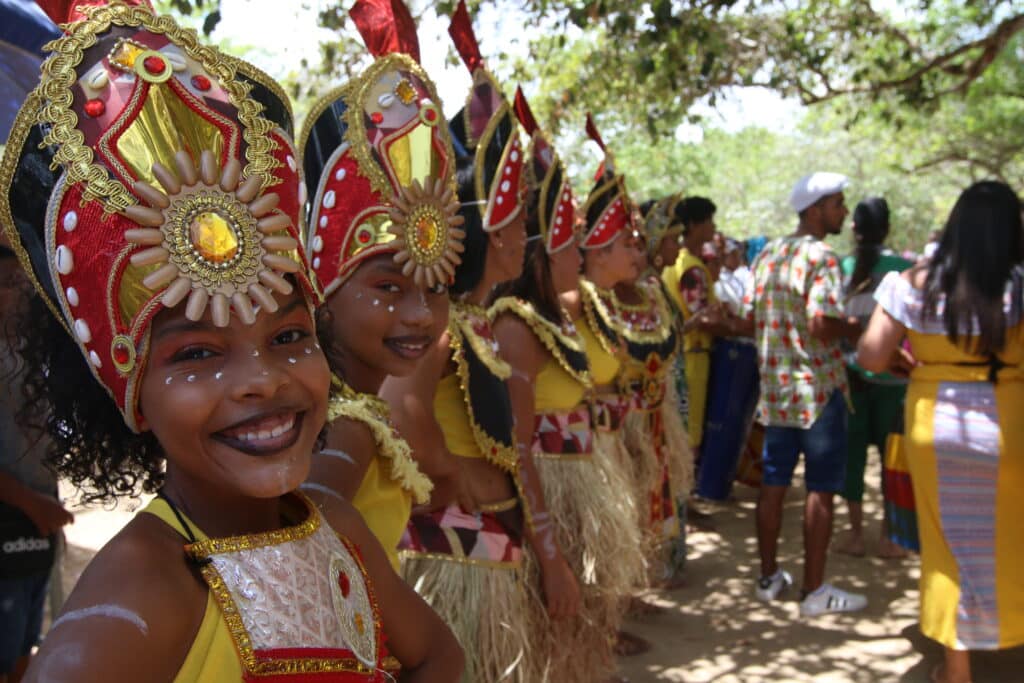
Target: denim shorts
[[21, 617], [823, 446]]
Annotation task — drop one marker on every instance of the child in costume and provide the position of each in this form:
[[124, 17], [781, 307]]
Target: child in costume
[[466, 555], [151, 192], [589, 504], [383, 238]]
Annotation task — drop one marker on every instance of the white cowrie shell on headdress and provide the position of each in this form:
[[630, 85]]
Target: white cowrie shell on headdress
[[82, 331], [99, 79], [386, 100], [70, 221], [175, 56], [64, 259]]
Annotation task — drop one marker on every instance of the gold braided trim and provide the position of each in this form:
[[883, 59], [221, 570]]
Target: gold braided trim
[[23, 123], [230, 544], [233, 616], [459, 559], [59, 77], [494, 452], [653, 300], [552, 336], [461, 317], [254, 73], [499, 506], [593, 306], [354, 93], [375, 413]]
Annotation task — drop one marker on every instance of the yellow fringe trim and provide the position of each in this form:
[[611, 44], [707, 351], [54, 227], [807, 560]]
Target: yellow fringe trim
[[376, 415]]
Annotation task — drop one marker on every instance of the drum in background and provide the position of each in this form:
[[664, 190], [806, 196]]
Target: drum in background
[[898, 494], [732, 399]]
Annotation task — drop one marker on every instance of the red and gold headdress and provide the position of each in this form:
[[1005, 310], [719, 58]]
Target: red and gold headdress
[[556, 206], [487, 128], [608, 209], [379, 154], [143, 173]]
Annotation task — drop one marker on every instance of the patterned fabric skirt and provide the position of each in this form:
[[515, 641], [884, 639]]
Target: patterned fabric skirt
[[595, 525], [964, 448], [470, 569]]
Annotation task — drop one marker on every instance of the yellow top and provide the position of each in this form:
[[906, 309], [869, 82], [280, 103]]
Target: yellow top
[[453, 416], [671, 276], [212, 656], [393, 479], [385, 506], [555, 390], [604, 367]]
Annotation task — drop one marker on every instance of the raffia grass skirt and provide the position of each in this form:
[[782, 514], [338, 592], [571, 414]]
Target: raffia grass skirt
[[493, 612], [591, 505], [677, 440]]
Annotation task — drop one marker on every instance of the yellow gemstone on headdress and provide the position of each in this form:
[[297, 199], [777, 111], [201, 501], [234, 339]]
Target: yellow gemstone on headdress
[[426, 232], [124, 54], [405, 92], [213, 237]]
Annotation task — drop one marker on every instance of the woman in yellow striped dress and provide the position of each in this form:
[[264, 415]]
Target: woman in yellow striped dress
[[964, 439]]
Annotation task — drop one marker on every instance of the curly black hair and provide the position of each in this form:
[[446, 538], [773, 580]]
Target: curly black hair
[[90, 444]]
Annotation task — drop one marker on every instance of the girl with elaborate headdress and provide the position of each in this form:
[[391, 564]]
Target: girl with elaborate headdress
[[151, 191], [646, 321], [590, 507], [383, 238], [465, 556]]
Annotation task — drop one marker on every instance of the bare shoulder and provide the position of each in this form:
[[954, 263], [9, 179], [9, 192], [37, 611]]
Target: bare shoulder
[[351, 435], [916, 275], [135, 610]]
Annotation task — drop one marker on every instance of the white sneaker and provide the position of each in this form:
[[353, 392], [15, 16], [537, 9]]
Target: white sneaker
[[828, 598], [768, 588]]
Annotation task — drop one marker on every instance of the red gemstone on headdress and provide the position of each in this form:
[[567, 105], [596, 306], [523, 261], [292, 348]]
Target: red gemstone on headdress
[[377, 117], [121, 354], [343, 584], [363, 236], [201, 82], [95, 108], [154, 65], [430, 114]]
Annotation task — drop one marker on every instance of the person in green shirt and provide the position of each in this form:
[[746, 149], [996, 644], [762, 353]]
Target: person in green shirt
[[877, 398]]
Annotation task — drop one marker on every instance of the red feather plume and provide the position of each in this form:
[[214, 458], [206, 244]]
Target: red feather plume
[[386, 27], [461, 31], [524, 113]]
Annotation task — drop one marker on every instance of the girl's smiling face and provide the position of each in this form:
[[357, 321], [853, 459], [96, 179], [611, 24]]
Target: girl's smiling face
[[384, 322], [237, 410]]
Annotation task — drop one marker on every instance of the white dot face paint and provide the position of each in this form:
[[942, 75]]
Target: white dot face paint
[[168, 380], [376, 302], [308, 351], [218, 376], [391, 309], [255, 353], [190, 378], [292, 361]]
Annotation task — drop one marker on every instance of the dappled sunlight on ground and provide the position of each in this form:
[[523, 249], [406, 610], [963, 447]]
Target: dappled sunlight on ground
[[714, 629]]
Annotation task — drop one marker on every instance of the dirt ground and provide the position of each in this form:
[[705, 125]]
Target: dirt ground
[[713, 630]]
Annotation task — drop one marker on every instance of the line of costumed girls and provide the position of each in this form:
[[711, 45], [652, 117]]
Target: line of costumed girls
[[405, 409]]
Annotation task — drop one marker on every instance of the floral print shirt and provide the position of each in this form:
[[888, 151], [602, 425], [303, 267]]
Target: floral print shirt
[[795, 279]]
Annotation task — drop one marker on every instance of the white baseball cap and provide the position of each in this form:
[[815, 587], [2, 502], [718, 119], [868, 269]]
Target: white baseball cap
[[813, 187]]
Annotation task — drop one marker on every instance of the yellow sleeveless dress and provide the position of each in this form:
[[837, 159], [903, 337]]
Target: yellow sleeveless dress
[[696, 344]]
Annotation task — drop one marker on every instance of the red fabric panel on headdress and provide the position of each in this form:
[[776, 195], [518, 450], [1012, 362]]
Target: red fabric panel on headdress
[[66, 11], [386, 27], [461, 31], [524, 113], [614, 218]]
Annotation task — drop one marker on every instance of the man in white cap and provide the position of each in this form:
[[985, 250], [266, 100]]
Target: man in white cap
[[796, 315]]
